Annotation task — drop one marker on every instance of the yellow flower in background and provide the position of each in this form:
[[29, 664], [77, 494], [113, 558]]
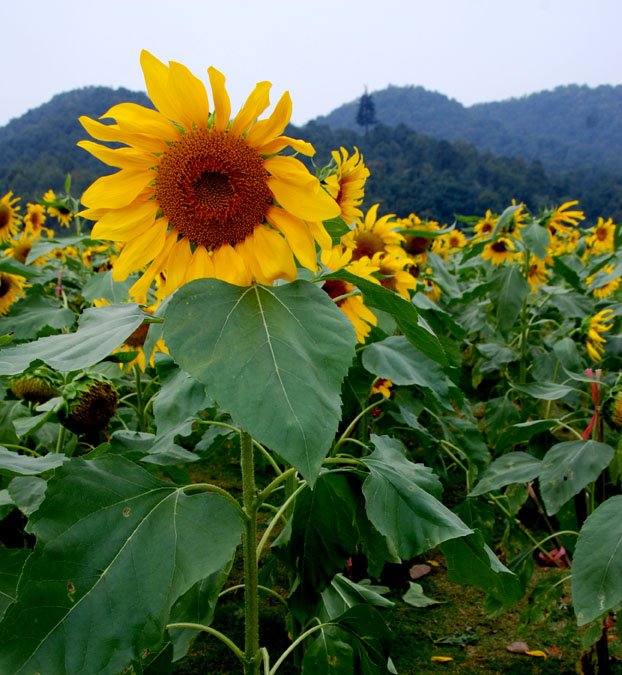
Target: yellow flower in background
[[136, 341], [20, 248], [499, 251], [200, 195], [361, 317], [601, 238], [484, 227], [538, 274], [564, 221], [432, 289], [11, 290], [606, 289], [61, 213], [395, 277], [417, 243], [600, 323], [91, 251], [34, 219], [346, 185], [9, 218], [382, 386], [373, 235]]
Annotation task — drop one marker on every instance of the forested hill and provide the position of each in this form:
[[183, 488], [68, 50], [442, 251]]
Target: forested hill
[[409, 170], [567, 128]]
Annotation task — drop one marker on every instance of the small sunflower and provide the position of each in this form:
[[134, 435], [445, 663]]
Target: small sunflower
[[597, 325], [601, 238], [346, 185], [562, 220], [198, 195], [9, 217], [538, 274], [11, 290], [382, 386], [608, 287], [20, 248], [499, 251], [395, 277], [373, 235], [485, 226], [416, 244], [57, 209], [34, 219]]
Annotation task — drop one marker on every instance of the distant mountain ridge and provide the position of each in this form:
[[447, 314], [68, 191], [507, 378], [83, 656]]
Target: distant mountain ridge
[[570, 127]]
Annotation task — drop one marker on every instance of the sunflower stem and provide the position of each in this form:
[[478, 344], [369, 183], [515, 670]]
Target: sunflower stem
[[139, 399], [251, 581]]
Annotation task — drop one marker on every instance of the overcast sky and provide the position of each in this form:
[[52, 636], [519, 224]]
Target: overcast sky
[[323, 52]]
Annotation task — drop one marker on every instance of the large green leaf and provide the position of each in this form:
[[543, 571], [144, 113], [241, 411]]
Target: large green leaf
[[406, 316], [100, 332], [471, 561], [547, 391], [536, 238], [115, 549], [398, 360], [101, 285], [597, 563], [11, 563], [515, 467], [519, 433], [34, 313], [343, 594], [508, 290], [273, 358], [399, 505], [568, 467], [12, 266], [13, 464]]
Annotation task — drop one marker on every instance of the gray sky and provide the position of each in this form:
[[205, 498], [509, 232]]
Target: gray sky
[[323, 52]]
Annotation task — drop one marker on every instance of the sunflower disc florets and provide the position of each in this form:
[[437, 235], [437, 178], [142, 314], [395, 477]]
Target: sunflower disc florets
[[91, 402]]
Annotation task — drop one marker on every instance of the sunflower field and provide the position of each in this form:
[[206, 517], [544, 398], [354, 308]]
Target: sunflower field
[[237, 385]]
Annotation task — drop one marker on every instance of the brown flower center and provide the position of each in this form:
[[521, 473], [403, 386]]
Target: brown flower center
[[415, 245], [5, 285], [367, 243], [138, 337], [601, 234], [499, 247], [336, 288], [212, 187], [5, 216]]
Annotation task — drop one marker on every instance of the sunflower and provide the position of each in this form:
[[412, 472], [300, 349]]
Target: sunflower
[[563, 221], [596, 326], [198, 195], [373, 235], [8, 216], [20, 248], [416, 244], [499, 251], [11, 290], [537, 274], [395, 277], [485, 226], [136, 341], [344, 294], [601, 239], [57, 209], [381, 386], [34, 219], [608, 287], [346, 185]]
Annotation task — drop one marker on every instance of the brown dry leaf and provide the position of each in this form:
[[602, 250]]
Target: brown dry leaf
[[417, 571], [517, 647]]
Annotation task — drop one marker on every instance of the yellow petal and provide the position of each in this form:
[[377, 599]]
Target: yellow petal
[[320, 235], [265, 130], [122, 224], [297, 233], [306, 202], [141, 287], [114, 133], [176, 265], [290, 170], [117, 190], [278, 143], [185, 87], [273, 254], [441, 659], [537, 652], [123, 158], [222, 104], [139, 251], [201, 265], [256, 103], [156, 78], [246, 249], [136, 119], [229, 266]]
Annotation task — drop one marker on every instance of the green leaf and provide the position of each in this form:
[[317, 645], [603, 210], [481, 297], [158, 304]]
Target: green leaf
[[413, 327], [342, 594], [27, 493], [101, 285], [519, 433], [15, 267], [401, 362], [597, 563], [12, 464], [568, 467], [45, 246], [336, 227], [399, 506], [515, 467], [547, 391], [504, 219], [471, 561], [415, 596], [115, 549], [330, 653], [497, 355], [567, 353], [536, 238], [11, 563], [34, 313], [100, 332], [273, 357], [509, 289]]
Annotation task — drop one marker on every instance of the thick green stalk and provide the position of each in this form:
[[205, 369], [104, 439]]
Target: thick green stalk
[[251, 591]]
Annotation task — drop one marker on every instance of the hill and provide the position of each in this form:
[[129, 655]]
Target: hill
[[568, 128]]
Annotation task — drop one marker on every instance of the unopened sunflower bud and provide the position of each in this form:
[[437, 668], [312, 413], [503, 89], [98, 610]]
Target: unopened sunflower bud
[[32, 388]]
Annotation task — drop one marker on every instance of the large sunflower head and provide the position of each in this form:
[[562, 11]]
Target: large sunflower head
[[199, 194], [346, 185], [9, 217]]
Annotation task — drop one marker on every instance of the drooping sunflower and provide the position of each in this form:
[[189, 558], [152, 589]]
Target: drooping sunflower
[[9, 217], [608, 287], [11, 290], [601, 237], [373, 235], [562, 220], [499, 251], [200, 195], [57, 210], [597, 325], [346, 185]]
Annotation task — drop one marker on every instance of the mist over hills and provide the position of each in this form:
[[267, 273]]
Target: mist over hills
[[428, 154]]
